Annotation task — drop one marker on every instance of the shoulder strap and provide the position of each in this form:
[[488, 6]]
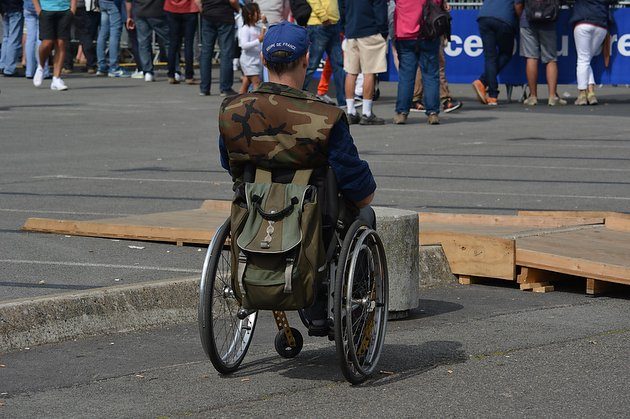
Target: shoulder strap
[[301, 177], [262, 175]]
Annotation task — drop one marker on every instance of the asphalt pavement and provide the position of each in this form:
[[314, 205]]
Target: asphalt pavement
[[467, 351], [113, 147]]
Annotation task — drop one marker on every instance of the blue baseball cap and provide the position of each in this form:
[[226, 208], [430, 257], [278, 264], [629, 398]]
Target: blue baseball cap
[[287, 37]]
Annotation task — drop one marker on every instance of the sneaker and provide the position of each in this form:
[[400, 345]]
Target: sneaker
[[191, 81], [491, 101], [433, 119], [417, 107], [353, 118], [449, 104], [91, 71], [137, 74], [531, 101], [229, 92], [66, 71], [480, 89], [400, 118], [58, 84], [556, 101], [100, 73], [371, 120], [148, 77], [204, 93], [173, 80], [38, 77], [591, 98], [582, 99], [120, 73], [327, 99], [178, 77]]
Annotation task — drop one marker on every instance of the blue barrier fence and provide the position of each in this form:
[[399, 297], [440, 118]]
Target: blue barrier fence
[[464, 54]]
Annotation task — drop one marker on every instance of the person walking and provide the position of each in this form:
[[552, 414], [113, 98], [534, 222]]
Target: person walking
[[12, 26], [217, 23], [498, 23], [182, 23], [591, 20], [55, 18], [250, 37]]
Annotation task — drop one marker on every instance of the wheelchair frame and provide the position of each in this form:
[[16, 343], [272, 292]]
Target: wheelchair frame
[[357, 305]]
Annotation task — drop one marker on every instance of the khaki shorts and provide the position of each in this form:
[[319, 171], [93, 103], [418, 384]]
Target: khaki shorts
[[365, 55]]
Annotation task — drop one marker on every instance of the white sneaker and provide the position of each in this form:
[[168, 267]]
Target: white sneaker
[[58, 84], [38, 78], [149, 77], [137, 74], [178, 77]]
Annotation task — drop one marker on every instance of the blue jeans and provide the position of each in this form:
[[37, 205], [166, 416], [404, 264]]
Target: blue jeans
[[144, 27], [13, 22], [498, 43], [209, 34], [181, 25], [111, 28], [425, 54], [31, 46], [326, 39]]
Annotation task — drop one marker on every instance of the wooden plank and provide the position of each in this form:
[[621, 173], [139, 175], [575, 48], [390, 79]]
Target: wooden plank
[[532, 285], [548, 288], [475, 255], [567, 214], [595, 287], [600, 254], [467, 280], [619, 223], [507, 220], [222, 206]]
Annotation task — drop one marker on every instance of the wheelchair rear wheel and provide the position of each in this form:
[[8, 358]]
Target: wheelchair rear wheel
[[360, 302], [225, 337]]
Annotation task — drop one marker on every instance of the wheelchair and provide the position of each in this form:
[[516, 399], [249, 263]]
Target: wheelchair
[[352, 302]]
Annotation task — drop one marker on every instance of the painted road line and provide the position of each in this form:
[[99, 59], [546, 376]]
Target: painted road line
[[443, 192], [205, 182], [99, 265], [507, 166], [109, 214]]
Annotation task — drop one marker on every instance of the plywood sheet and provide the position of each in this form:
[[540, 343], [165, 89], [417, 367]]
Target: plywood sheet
[[598, 253], [475, 255], [508, 220], [190, 226]]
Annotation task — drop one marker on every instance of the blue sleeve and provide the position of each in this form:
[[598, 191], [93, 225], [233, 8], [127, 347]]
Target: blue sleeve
[[223, 155], [354, 176]]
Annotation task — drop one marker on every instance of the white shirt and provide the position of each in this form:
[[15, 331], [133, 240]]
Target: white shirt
[[250, 46]]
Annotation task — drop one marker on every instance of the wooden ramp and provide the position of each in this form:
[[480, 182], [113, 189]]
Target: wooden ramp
[[534, 248], [191, 226]]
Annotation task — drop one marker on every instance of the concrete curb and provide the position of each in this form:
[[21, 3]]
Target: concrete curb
[[48, 319]]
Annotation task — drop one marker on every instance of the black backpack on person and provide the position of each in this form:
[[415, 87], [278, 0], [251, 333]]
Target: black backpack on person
[[301, 11], [435, 22], [541, 11]]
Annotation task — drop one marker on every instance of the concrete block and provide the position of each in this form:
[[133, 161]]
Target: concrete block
[[398, 230], [434, 268]]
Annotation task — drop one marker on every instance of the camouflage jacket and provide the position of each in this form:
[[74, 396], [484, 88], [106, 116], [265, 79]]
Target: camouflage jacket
[[276, 126]]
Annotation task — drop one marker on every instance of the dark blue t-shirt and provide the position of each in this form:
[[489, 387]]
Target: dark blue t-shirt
[[502, 10]]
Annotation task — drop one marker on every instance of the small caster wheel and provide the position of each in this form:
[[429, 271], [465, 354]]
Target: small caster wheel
[[282, 345]]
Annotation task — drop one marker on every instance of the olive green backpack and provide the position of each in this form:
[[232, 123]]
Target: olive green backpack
[[277, 249]]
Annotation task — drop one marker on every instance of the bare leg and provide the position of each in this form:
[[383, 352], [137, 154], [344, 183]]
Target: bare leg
[[255, 80], [244, 85], [591, 88], [552, 78], [368, 86], [60, 55], [45, 49], [351, 81], [532, 76]]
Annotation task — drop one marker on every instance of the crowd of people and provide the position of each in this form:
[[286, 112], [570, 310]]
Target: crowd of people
[[353, 34]]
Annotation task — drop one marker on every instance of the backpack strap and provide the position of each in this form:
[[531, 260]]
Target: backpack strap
[[301, 177], [288, 274], [242, 264], [262, 175]]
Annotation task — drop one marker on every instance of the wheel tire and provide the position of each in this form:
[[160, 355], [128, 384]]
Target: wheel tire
[[282, 344], [355, 365], [225, 338]]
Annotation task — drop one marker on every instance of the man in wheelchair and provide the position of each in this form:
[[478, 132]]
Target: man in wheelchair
[[301, 235], [281, 128]]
